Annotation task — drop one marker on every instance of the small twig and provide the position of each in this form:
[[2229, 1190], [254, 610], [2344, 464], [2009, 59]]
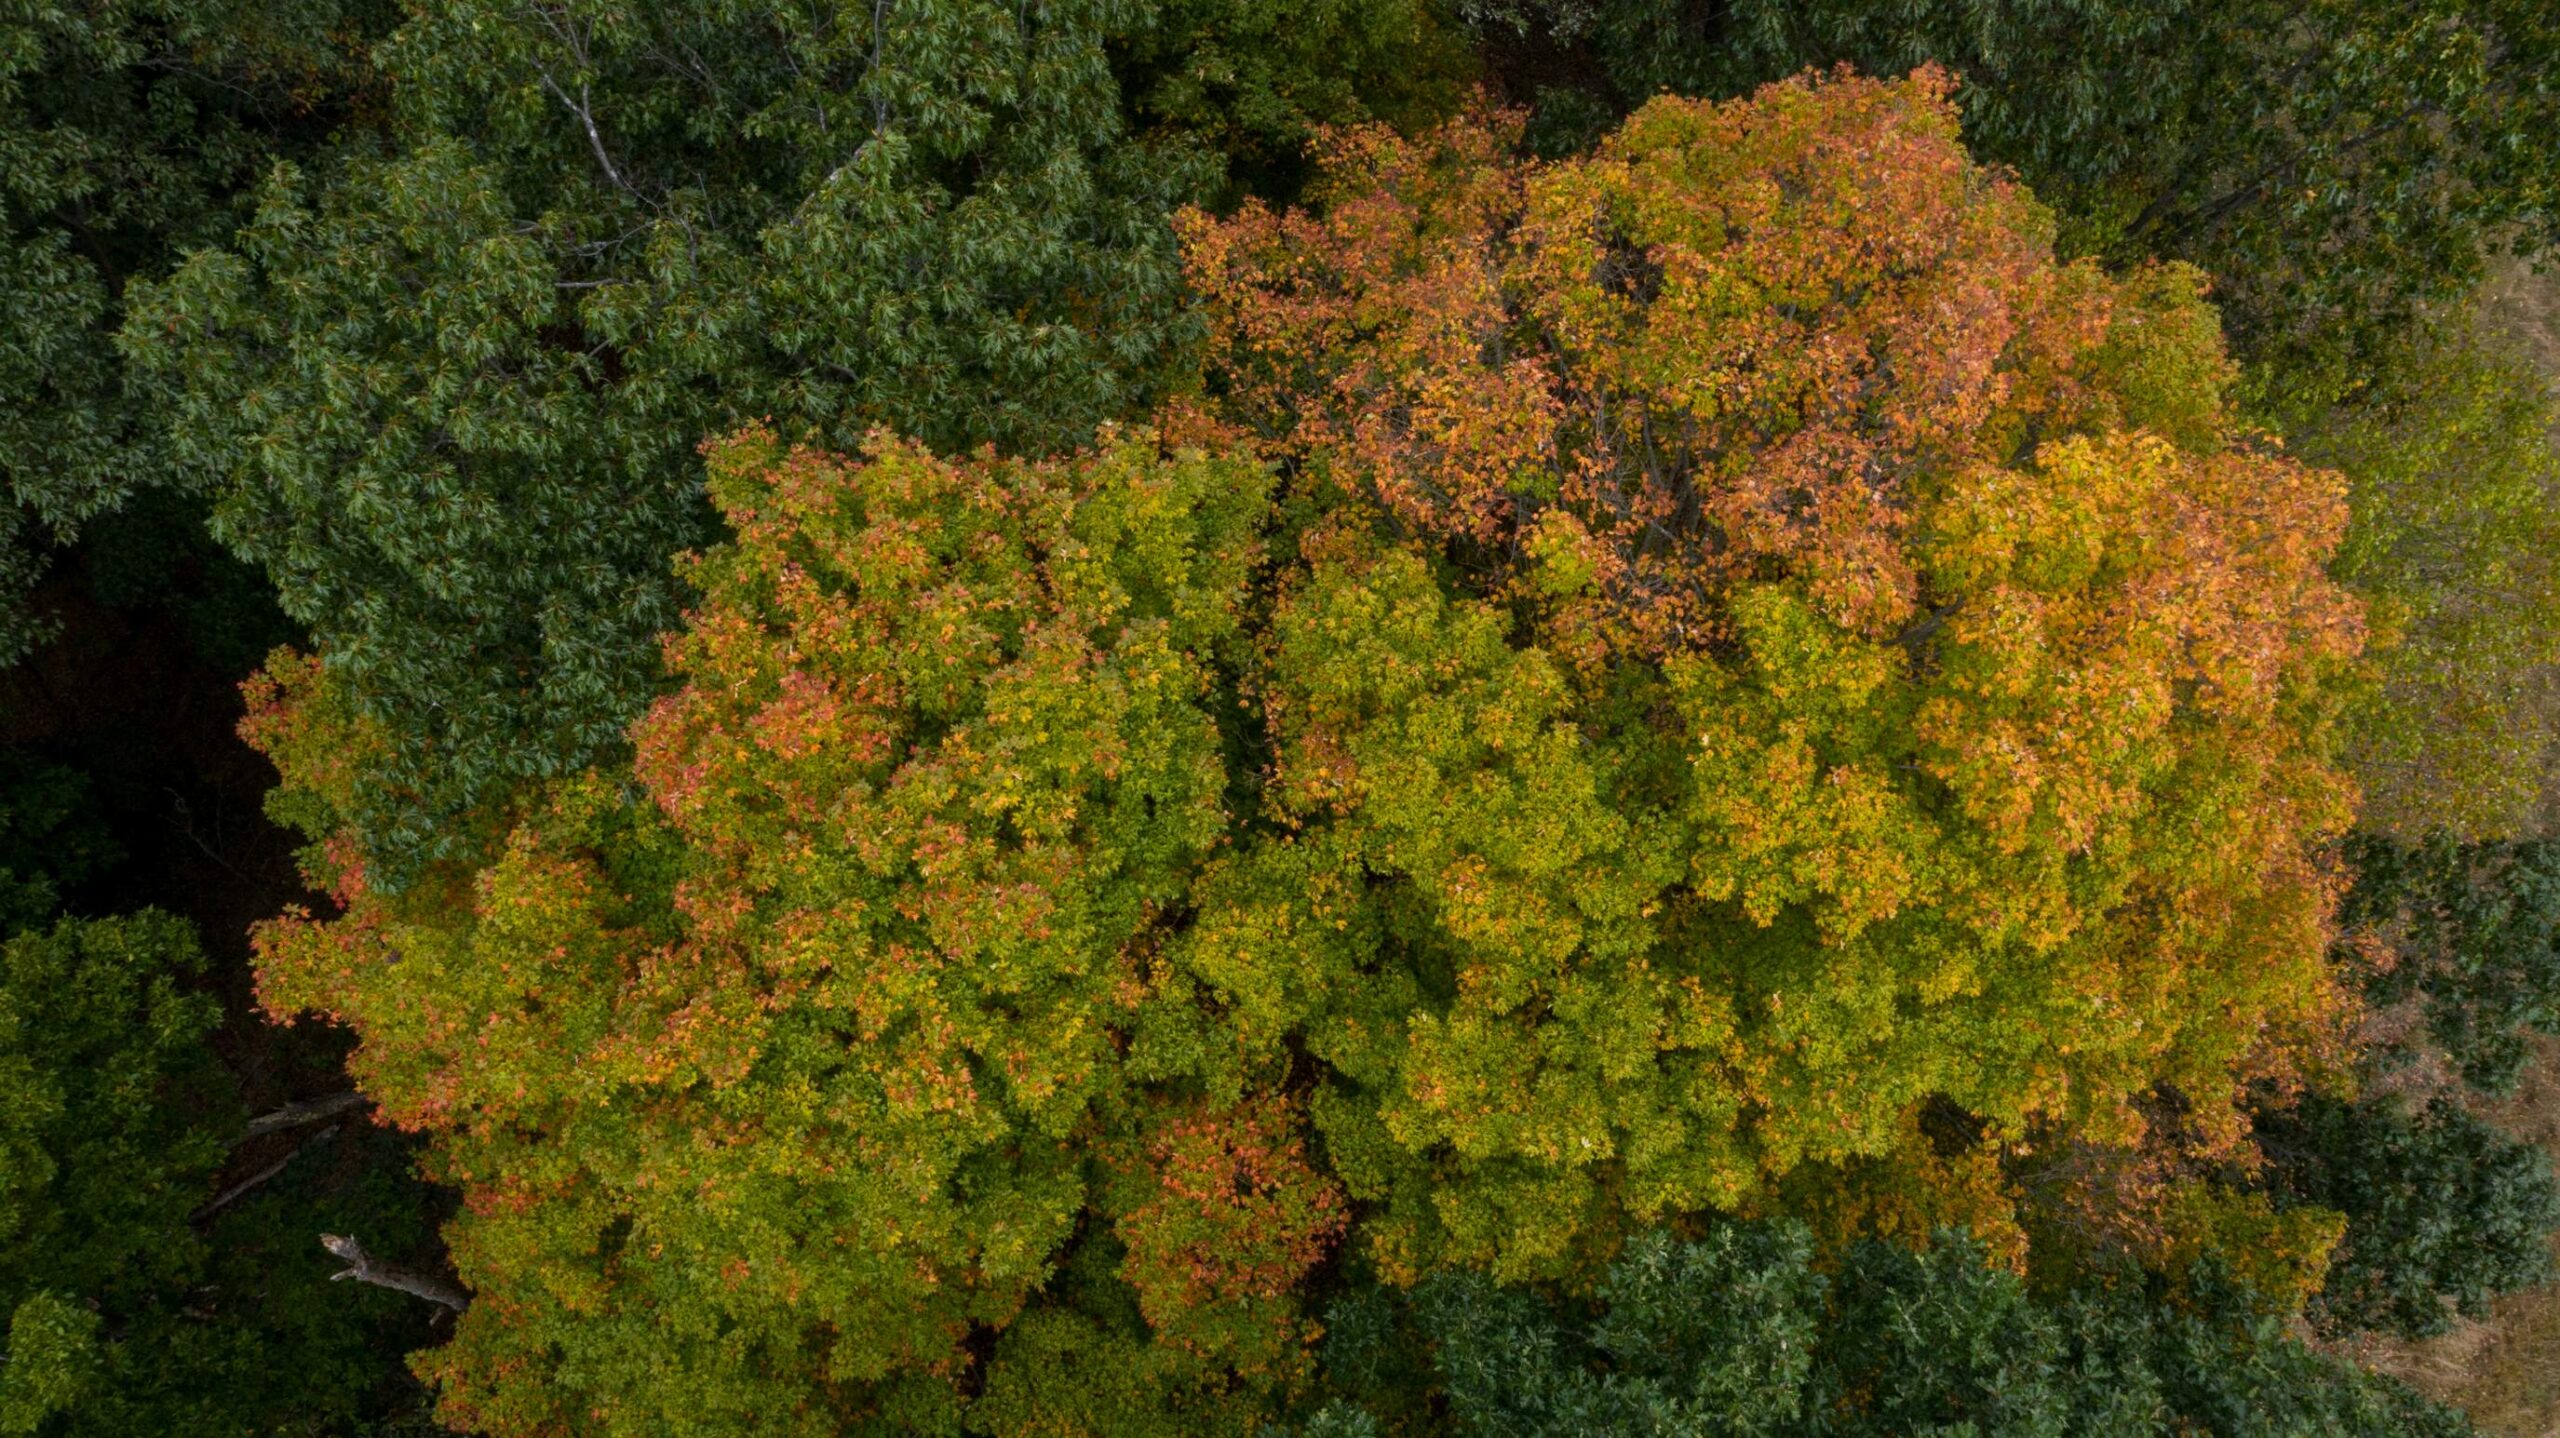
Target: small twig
[[184, 821], [225, 1198], [363, 1267], [295, 1115]]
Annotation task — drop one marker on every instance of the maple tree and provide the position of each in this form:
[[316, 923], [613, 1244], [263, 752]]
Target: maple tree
[[1631, 683], [764, 1080], [1775, 647]]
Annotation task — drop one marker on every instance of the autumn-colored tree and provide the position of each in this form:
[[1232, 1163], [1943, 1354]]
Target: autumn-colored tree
[[1223, 1218], [1632, 683], [1774, 647], [769, 1079], [2334, 164]]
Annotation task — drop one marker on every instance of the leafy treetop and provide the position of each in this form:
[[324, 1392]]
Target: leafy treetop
[[767, 1083], [2335, 166], [1773, 647], [1744, 1332], [1725, 649]]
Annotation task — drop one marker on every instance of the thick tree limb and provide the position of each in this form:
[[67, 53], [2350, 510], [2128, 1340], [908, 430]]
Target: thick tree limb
[[365, 1268], [295, 1115]]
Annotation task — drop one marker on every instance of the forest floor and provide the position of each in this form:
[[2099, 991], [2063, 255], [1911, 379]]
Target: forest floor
[[2505, 1370]]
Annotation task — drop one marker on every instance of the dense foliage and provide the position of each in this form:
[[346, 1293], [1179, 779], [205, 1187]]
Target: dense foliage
[[449, 386], [127, 129], [1518, 795], [2444, 1211], [1792, 512], [2455, 548], [1744, 1331], [2472, 934], [944, 754], [1068, 719], [135, 1305], [2333, 165]]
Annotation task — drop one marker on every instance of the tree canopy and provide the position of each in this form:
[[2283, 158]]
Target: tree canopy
[[2335, 166], [128, 129], [1584, 717], [1142, 718], [1756, 593], [1742, 1331], [138, 1300], [448, 381]]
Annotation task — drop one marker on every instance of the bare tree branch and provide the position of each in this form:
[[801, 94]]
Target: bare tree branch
[[295, 1115], [579, 108], [363, 1267], [224, 1199]]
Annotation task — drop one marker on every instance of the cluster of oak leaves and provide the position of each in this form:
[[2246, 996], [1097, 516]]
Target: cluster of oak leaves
[[1628, 686]]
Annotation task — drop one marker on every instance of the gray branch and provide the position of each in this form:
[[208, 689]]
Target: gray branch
[[363, 1267], [295, 1115], [232, 1194]]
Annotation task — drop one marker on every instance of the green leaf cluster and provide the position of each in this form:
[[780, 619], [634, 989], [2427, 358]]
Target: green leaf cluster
[[1744, 1331], [2454, 479], [2444, 1210], [2472, 932], [126, 131], [51, 840]]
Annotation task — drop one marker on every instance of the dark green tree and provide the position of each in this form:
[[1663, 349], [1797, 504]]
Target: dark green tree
[[1742, 1332], [2332, 164], [448, 387], [126, 131], [2474, 935], [2444, 1210], [138, 1298], [50, 839]]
